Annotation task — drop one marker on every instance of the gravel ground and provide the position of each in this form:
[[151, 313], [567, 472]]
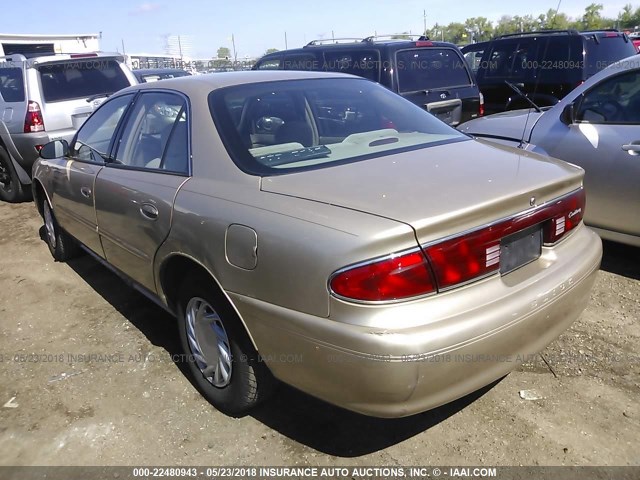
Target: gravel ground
[[130, 404]]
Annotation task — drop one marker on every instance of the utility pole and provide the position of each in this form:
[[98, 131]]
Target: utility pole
[[233, 42], [286, 47], [424, 18], [123, 51]]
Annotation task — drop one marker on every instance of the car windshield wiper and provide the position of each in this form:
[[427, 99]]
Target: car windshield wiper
[[97, 96], [523, 95], [293, 156]]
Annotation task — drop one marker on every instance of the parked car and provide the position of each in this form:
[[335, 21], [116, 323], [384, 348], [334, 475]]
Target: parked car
[[430, 74], [45, 98], [319, 229], [597, 126], [545, 65], [155, 74]]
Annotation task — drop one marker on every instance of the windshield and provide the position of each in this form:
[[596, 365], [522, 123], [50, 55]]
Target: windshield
[[277, 127], [81, 79]]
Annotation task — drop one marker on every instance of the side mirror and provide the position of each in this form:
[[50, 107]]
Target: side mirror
[[55, 149], [568, 114]]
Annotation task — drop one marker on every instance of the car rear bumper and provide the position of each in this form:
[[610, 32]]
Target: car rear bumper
[[443, 348]]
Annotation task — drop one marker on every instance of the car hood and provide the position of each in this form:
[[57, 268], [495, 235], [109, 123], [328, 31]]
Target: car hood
[[507, 125], [438, 190]]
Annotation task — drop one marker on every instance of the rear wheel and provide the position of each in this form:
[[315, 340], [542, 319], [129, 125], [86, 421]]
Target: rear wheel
[[11, 190], [220, 356], [62, 246]]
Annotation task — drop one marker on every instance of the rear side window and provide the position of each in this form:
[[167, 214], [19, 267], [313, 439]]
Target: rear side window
[[82, 79], [510, 60], [302, 61], [12, 85], [363, 63], [270, 63], [429, 68]]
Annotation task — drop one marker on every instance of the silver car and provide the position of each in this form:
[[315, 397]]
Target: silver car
[[47, 97], [320, 230], [596, 126]]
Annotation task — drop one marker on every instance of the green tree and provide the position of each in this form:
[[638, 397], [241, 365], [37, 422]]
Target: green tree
[[479, 29], [456, 33], [224, 52], [271, 50], [592, 18]]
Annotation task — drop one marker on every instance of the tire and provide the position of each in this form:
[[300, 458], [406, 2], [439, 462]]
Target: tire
[[221, 359], [62, 246], [11, 190]]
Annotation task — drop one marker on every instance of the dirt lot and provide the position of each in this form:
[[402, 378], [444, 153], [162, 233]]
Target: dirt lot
[[130, 404]]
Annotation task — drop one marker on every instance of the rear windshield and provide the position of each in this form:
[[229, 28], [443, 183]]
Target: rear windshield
[[606, 51], [274, 128], [429, 68], [82, 79], [11, 84]]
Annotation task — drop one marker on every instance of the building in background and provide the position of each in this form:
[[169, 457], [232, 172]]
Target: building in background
[[30, 44], [180, 46]]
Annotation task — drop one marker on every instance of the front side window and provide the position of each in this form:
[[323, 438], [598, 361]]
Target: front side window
[[94, 137], [429, 68], [81, 79], [303, 124], [613, 101], [156, 134]]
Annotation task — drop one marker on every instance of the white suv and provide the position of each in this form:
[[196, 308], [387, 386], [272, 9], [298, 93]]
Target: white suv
[[47, 98]]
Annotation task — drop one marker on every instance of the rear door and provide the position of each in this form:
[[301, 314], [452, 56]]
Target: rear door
[[135, 191], [72, 89], [73, 188], [438, 79]]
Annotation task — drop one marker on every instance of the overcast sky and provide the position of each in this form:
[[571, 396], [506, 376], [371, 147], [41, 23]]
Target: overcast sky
[[256, 25]]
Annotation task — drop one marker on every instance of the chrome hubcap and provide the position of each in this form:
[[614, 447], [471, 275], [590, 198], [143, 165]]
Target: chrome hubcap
[[209, 342], [48, 223]]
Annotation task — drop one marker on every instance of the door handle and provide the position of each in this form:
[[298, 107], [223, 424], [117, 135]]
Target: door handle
[[86, 192], [632, 148], [149, 211]]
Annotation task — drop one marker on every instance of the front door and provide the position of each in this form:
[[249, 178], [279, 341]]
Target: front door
[[74, 177], [605, 141]]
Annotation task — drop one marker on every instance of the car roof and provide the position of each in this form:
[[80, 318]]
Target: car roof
[[63, 57], [152, 71], [203, 84]]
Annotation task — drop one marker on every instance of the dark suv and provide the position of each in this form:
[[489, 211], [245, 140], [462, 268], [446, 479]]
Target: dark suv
[[430, 74], [544, 65]]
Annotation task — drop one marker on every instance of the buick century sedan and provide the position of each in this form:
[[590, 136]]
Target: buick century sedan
[[317, 229]]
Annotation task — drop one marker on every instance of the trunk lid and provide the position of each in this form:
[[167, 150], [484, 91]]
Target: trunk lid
[[439, 191]]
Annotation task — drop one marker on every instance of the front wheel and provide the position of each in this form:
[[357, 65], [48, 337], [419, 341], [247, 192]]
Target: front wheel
[[220, 356], [61, 245]]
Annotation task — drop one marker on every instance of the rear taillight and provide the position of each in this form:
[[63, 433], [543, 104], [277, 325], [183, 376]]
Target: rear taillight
[[33, 122], [481, 107], [477, 254], [424, 43], [457, 260], [567, 214], [392, 278]]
